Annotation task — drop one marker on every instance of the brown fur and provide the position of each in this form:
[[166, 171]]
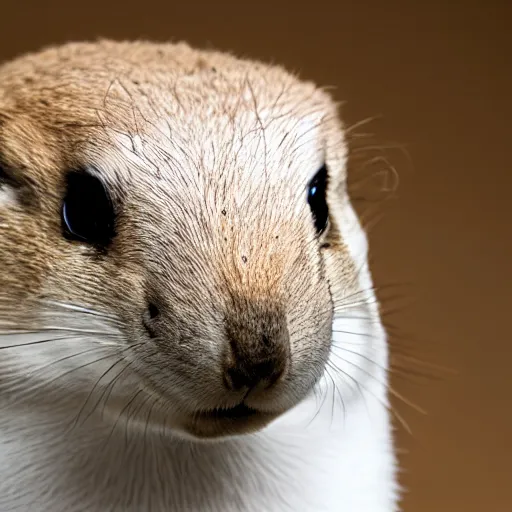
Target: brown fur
[[196, 235]]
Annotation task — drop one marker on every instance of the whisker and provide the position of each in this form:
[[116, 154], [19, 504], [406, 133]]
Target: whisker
[[65, 359], [129, 415], [37, 342], [77, 418], [333, 393], [426, 364], [371, 361], [79, 368], [82, 331], [108, 388], [392, 369], [81, 309], [358, 124], [319, 408], [371, 319], [361, 334], [338, 370], [336, 390], [70, 330], [417, 408], [135, 413], [148, 419], [125, 408], [386, 406]]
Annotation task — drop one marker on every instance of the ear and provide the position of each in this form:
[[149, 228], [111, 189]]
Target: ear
[[8, 186], [15, 185], [6, 191]]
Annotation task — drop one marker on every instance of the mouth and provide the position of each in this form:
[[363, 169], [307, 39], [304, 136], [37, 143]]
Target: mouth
[[228, 422], [240, 411]]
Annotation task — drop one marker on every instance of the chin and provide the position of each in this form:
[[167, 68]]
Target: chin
[[214, 420], [222, 424]]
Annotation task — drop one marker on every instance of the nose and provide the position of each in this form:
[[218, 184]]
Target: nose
[[248, 374], [256, 358]]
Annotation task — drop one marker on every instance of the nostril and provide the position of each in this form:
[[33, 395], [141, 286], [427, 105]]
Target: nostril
[[249, 376], [274, 376], [257, 347], [151, 313], [234, 379]]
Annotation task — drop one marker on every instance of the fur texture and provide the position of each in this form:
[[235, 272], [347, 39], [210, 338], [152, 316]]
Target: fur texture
[[207, 159]]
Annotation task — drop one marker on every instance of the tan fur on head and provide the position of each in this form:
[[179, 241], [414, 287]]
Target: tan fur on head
[[207, 159]]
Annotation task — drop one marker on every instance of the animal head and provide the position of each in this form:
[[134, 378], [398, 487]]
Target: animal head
[[191, 204]]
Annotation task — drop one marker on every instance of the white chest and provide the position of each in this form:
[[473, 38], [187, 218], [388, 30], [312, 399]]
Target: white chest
[[329, 464]]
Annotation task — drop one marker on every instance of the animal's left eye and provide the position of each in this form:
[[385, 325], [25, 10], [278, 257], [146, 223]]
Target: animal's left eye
[[317, 201]]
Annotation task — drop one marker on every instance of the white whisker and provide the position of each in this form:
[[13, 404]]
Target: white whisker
[[80, 309]]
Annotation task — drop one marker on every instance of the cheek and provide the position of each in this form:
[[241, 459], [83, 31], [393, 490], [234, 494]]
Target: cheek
[[310, 324], [341, 272], [83, 278], [24, 262]]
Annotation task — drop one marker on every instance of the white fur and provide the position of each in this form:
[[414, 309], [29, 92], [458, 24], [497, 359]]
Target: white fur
[[339, 460]]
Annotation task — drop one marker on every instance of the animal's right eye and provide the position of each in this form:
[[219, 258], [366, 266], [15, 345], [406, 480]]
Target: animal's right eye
[[87, 210]]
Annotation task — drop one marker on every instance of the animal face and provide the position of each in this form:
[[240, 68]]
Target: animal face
[[180, 214]]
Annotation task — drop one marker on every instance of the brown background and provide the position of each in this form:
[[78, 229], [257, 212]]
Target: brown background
[[440, 76]]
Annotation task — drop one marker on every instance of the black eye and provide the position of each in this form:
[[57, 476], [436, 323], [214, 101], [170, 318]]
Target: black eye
[[317, 189], [87, 210]]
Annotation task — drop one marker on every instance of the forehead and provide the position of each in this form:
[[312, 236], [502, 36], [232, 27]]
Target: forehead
[[210, 143], [231, 140], [168, 110], [250, 162]]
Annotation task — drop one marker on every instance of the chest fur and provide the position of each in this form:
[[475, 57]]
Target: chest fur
[[46, 466]]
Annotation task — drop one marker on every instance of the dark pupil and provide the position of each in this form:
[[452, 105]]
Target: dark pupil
[[87, 211], [317, 199]]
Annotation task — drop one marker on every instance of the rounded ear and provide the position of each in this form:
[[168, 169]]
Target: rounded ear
[[7, 185], [14, 185]]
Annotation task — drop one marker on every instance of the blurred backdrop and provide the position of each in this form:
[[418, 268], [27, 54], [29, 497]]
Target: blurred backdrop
[[427, 89]]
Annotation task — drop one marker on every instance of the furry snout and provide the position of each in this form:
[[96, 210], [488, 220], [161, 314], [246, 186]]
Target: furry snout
[[258, 351]]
